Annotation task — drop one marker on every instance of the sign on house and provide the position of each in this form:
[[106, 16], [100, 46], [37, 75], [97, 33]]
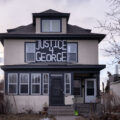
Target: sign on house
[[51, 51]]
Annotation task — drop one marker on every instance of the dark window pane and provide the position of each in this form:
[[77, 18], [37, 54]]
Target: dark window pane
[[12, 88], [72, 57], [67, 88], [77, 91], [30, 57], [90, 84], [24, 89], [46, 88], [90, 92], [35, 88]]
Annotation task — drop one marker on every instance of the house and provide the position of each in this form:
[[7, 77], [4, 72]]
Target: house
[[50, 61], [114, 81]]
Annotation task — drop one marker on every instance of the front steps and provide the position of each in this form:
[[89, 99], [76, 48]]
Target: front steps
[[89, 109], [83, 109], [61, 110]]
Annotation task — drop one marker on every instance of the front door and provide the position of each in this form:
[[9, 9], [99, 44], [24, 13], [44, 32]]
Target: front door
[[56, 97], [90, 90]]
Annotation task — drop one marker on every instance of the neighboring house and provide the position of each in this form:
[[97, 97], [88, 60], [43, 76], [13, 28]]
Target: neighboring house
[[115, 85], [50, 61]]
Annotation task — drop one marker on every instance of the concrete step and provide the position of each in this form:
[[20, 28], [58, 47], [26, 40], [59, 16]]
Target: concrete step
[[61, 110]]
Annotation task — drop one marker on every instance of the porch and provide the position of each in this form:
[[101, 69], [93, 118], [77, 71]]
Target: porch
[[57, 85]]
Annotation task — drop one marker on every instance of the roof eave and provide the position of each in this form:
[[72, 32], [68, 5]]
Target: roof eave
[[53, 36]]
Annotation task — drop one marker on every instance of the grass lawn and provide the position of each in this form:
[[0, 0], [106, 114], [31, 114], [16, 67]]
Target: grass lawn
[[23, 117]]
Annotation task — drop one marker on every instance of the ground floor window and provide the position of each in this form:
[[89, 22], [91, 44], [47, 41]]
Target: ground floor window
[[12, 83], [45, 83], [24, 83], [36, 83], [67, 84]]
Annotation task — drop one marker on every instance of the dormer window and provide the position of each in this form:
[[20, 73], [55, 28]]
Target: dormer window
[[51, 25]]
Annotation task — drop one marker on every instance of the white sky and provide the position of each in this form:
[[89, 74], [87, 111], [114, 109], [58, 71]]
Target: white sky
[[84, 13]]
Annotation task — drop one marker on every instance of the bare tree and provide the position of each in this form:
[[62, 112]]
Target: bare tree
[[112, 26]]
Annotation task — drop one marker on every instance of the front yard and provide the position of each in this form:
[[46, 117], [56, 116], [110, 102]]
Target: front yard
[[25, 117]]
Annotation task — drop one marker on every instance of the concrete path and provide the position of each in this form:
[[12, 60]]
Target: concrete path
[[69, 118]]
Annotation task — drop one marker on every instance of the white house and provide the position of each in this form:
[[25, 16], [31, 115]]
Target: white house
[[50, 61]]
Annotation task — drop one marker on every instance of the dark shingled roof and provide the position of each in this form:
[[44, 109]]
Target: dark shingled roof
[[30, 29], [73, 29], [73, 32], [50, 13]]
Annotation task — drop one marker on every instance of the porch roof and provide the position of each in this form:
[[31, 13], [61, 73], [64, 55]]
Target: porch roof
[[70, 67]]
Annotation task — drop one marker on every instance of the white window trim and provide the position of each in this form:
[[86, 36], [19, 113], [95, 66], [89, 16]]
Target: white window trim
[[23, 84], [26, 53], [45, 83], [13, 83], [35, 84], [66, 84]]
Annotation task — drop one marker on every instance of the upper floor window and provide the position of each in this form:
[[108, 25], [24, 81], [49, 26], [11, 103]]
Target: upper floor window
[[30, 52], [72, 52], [50, 25]]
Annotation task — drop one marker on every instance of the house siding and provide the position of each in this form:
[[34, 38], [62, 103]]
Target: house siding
[[14, 51]]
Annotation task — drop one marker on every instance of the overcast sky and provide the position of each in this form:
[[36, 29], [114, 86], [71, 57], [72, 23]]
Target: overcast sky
[[84, 13]]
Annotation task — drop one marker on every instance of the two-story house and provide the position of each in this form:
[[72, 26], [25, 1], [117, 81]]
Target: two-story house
[[50, 61]]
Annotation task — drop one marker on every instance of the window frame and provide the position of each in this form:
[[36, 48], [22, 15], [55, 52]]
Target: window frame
[[36, 83], [51, 19], [67, 83], [45, 83], [25, 53], [76, 52], [13, 83], [24, 84]]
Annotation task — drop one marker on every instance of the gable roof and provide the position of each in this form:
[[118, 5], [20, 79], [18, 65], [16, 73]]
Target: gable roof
[[73, 33], [50, 13], [28, 31]]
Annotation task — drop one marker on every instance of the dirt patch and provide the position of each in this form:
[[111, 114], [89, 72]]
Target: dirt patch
[[24, 117]]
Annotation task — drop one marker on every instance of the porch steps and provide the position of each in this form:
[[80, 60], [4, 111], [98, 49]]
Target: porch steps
[[85, 109], [61, 110]]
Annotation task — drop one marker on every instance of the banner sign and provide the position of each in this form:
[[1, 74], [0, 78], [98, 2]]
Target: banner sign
[[51, 51]]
